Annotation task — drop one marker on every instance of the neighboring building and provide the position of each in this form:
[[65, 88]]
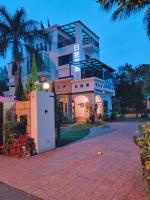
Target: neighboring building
[[83, 83]]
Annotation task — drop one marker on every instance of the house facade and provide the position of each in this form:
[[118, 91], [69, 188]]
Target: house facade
[[84, 84]]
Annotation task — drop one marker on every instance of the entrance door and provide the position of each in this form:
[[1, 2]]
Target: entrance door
[[81, 108]]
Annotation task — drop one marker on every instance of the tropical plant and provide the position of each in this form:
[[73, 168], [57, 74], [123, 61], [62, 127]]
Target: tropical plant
[[14, 127], [146, 88], [143, 141], [3, 80], [33, 81], [18, 33], [123, 9], [129, 89]]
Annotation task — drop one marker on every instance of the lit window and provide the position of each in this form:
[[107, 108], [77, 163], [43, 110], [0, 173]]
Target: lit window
[[87, 84]]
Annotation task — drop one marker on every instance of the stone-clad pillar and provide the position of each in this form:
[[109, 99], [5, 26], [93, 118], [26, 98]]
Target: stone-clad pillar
[[70, 108]]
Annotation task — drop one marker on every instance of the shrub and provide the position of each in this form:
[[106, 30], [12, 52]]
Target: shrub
[[19, 146], [113, 116], [106, 117], [11, 127], [143, 141]]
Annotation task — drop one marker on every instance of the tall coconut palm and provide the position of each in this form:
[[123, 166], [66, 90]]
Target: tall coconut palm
[[18, 33], [125, 8]]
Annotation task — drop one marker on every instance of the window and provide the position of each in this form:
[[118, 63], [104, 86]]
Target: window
[[96, 84], [87, 84], [76, 86], [81, 85], [23, 119], [62, 60], [64, 86]]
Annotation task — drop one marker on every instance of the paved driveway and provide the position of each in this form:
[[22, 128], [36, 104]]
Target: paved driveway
[[77, 172]]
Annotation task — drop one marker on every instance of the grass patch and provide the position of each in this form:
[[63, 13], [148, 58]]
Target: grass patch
[[75, 133]]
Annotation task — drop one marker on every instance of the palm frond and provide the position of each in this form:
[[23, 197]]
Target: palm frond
[[41, 35], [5, 16], [18, 19], [147, 21], [4, 44], [29, 25], [27, 29], [107, 5], [4, 28], [32, 51], [126, 9]]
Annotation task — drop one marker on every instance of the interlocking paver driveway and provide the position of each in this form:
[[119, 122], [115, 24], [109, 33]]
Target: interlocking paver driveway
[[77, 172]]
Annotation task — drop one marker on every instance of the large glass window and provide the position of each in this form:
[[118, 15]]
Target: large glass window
[[62, 60]]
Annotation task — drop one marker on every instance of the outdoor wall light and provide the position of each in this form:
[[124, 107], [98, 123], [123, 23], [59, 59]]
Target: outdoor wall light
[[46, 86]]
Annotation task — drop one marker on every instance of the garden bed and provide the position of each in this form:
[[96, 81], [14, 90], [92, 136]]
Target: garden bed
[[143, 141]]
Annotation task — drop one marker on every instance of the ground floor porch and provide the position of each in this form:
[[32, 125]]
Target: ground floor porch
[[82, 107]]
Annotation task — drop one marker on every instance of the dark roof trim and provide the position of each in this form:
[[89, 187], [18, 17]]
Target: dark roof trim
[[92, 63], [82, 25]]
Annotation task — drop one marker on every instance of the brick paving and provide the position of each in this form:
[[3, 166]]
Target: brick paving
[[77, 172]]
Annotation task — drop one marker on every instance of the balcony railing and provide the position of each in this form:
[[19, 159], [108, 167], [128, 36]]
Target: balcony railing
[[90, 41], [109, 85]]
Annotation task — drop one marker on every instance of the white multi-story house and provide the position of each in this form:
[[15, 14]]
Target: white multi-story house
[[83, 83]]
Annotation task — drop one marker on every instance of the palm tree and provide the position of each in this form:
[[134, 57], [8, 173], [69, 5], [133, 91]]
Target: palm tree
[[125, 8], [18, 33]]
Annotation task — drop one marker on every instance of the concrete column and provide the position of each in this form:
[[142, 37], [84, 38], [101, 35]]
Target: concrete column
[[43, 120], [109, 106], [70, 108]]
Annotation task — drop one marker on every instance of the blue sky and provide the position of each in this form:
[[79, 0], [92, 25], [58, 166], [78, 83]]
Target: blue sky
[[120, 42]]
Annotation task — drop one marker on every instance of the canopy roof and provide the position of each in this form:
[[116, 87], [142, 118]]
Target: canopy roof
[[92, 63]]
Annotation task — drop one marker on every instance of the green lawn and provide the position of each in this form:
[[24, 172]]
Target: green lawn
[[76, 133]]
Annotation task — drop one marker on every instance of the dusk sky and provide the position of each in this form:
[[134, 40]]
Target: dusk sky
[[120, 42]]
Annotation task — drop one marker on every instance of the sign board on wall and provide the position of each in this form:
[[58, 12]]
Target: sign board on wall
[[76, 56]]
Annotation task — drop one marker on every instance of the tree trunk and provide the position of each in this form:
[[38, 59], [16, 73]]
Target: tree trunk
[[18, 84]]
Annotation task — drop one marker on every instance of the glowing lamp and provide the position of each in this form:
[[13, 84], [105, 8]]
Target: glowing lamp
[[46, 86]]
